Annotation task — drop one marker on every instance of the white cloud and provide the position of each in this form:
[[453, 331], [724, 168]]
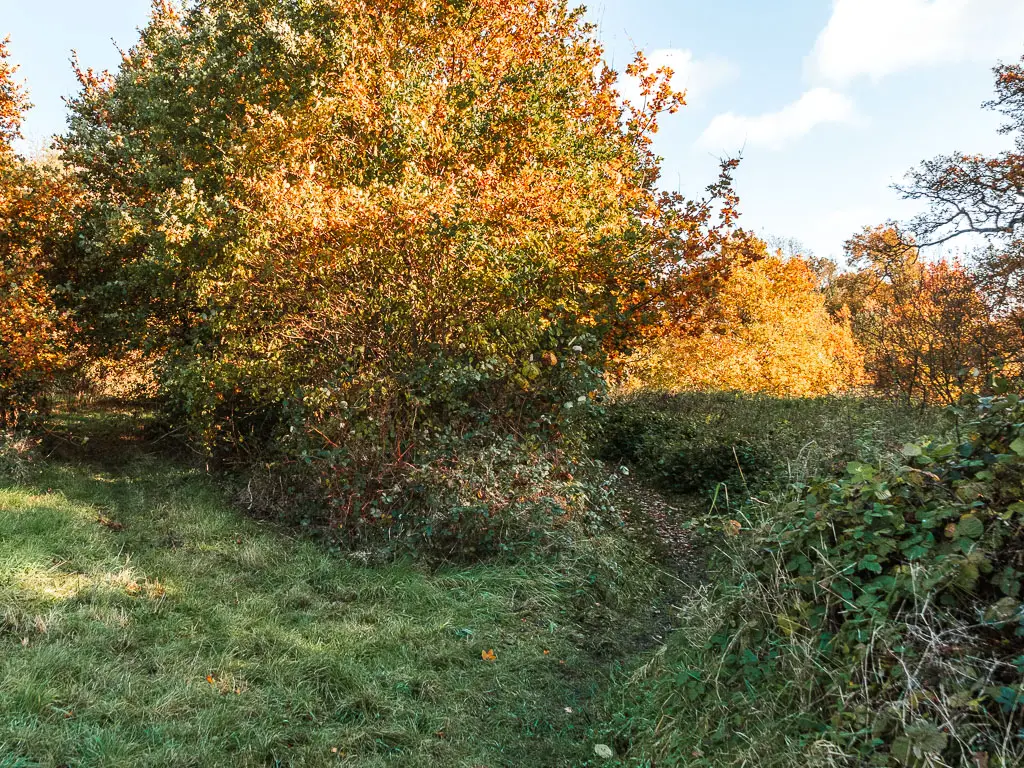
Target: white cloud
[[730, 132], [698, 77], [875, 38]]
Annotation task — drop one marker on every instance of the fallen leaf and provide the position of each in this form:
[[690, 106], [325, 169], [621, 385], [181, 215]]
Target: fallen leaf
[[488, 655], [106, 522]]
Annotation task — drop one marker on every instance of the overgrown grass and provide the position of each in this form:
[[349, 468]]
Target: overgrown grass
[[145, 622], [872, 617]]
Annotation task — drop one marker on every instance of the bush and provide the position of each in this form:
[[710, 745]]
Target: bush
[[369, 238], [874, 618], [690, 442], [497, 496]]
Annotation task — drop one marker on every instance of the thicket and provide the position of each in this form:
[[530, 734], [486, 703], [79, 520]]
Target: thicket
[[383, 257], [868, 617]]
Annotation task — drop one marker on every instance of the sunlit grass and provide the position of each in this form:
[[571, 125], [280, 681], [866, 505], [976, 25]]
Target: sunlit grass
[[143, 622]]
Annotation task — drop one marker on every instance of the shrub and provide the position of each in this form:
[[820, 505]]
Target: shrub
[[690, 442], [494, 498], [872, 619]]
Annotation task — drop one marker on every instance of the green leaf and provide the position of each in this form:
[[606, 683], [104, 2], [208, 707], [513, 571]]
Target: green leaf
[[910, 450], [970, 527], [1017, 446], [916, 552], [869, 564]]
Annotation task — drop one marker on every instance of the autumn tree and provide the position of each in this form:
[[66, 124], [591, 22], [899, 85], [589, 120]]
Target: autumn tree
[[33, 335], [927, 328], [768, 331], [364, 231], [970, 193]]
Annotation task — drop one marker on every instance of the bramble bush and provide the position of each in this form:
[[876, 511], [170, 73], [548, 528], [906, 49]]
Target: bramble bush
[[869, 618]]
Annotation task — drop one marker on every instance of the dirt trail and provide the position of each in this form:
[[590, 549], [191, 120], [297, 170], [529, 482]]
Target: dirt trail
[[660, 522]]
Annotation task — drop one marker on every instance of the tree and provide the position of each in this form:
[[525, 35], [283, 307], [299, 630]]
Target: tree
[[928, 330], [983, 195], [769, 331], [33, 334], [366, 229]]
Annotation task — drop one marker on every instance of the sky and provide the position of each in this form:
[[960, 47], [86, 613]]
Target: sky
[[829, 101]]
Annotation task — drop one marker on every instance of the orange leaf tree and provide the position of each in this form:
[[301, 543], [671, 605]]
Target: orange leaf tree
[[929, 330], [32, 333], [983, 195], [390, 224]]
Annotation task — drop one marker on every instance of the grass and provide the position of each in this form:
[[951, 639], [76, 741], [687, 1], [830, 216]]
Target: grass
[[145, 622]]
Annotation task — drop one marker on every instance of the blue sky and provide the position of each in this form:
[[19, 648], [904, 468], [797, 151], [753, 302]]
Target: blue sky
[[831, 101]]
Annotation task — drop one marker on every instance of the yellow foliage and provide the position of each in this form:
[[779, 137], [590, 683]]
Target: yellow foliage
[[771, 333]]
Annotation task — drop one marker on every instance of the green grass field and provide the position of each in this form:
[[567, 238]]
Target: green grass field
[[146, 622]]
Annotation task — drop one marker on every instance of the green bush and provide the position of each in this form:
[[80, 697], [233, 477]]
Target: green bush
[[691, 442], [872, 618]]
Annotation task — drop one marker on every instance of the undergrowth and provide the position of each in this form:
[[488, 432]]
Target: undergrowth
[[692, 442], [868, 618]]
